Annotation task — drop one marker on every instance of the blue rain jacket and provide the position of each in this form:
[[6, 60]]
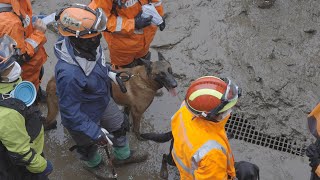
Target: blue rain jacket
[[83, 88]]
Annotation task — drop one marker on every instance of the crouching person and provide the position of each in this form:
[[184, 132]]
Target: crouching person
[[21, 131], [84, 89]]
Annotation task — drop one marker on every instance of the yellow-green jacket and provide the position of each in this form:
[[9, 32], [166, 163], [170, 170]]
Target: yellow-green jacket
[[15, 138]]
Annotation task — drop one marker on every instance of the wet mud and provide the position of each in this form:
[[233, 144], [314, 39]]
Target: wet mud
[[272, 54]]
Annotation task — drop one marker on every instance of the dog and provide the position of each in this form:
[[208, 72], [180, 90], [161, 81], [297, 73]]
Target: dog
[[244, 170], [142, 86]]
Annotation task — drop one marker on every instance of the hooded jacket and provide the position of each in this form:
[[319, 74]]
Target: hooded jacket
[[83, 88]]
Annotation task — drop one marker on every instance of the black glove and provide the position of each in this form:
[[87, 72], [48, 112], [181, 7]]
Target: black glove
[[141, 22], [313, 153], [162, 25]]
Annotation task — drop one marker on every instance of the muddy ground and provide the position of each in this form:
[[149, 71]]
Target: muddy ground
[[273, 54]]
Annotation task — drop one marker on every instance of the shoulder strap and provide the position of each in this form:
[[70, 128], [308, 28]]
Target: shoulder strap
[[14, 104], [32, 115]]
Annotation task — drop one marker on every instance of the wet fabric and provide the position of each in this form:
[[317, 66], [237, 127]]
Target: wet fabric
[[124, 42], [201, 149], [16, 140], [86, 48], [83, 95], [29, 40]]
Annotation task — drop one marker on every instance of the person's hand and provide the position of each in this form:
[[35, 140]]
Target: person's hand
[[141, 22], [104, 138], [313, 153], [48, 169], [40, 26]]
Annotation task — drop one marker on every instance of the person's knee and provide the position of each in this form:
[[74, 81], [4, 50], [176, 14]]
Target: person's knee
[[125, 127]]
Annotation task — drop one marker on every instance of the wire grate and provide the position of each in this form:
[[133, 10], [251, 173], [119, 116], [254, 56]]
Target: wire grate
[[241, 129]]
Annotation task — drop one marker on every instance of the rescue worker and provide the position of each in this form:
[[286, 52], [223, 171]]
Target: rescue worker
[[129, 33], [201, 149], [21, 132], [84, 89], [313, 150], [15, 20]]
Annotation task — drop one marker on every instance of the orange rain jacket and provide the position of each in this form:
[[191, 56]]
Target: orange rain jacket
[[29, 40], [201, 149], [124, 42]]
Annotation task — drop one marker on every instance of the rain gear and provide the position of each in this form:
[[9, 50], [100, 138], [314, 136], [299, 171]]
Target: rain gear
[[16, 140], [17, 24], [124, 41], [83, 88], [201, 149]]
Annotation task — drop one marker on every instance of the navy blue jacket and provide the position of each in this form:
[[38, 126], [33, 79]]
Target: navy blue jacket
[[83, 88]]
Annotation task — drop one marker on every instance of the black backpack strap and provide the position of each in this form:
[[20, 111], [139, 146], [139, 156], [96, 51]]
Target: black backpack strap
[[15, 104], [32, 115]]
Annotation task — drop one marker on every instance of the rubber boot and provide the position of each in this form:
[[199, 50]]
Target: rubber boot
[[133, 158], [97, 167]]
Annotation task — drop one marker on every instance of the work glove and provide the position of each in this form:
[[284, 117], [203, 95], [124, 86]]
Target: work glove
[[104, 138], [40, 26], [162, 25], [141, 22], [113, 76], [313, 153], [48, 169]]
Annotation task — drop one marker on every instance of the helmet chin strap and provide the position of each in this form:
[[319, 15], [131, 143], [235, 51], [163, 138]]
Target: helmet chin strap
[[220, 116]]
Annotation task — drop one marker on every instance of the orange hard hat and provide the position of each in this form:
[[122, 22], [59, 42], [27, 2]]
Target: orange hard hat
[[209, 96], [81, 21]]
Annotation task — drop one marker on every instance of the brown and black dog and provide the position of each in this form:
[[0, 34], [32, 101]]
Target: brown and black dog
[[141, 88]]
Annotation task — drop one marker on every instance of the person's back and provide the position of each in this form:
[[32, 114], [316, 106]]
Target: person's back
[[201, 149], [205, 143], [21, 131]]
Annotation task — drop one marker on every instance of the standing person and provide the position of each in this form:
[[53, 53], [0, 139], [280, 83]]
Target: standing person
[[21, 132], [15, 20], [129, 32], [84, 89], [201, 149], [313, 150]]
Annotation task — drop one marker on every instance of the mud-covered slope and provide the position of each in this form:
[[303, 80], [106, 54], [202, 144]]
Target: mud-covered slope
[[273, 54]]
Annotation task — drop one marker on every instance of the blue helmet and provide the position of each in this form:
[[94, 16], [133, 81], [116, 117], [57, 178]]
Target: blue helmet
[[8, 52]]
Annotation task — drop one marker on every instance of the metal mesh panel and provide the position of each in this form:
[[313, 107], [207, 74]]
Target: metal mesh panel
[[241, 129]]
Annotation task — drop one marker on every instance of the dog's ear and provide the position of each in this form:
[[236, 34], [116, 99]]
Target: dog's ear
[[161, 57], [147, 65]]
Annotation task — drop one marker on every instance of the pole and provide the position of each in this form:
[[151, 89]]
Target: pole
[[114, 174]]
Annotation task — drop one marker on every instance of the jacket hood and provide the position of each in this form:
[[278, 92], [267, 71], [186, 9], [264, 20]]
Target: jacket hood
[[64, 51]]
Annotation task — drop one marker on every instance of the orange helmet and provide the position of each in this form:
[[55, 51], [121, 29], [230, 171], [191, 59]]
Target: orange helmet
[[209, 96], [81, 21]]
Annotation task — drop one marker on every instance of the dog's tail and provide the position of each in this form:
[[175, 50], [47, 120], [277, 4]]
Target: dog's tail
[[160, 138]]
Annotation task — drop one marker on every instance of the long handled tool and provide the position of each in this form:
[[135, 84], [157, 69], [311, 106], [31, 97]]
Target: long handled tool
[[114, 173]]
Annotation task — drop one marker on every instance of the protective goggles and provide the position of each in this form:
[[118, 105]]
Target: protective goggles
[[7, 52], [228, 100], [98, 26]]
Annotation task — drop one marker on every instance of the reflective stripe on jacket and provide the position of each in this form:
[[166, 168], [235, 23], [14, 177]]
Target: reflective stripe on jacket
[[201, 149], [29, 41], [123, 42]]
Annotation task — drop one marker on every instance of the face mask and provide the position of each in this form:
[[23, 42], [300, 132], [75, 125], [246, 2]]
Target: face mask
[[223, 115], [86, 48], [14, 73]]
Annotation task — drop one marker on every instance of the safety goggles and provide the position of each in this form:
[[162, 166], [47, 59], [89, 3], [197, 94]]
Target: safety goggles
[[7, 51], [98, 26], [228, 99]]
